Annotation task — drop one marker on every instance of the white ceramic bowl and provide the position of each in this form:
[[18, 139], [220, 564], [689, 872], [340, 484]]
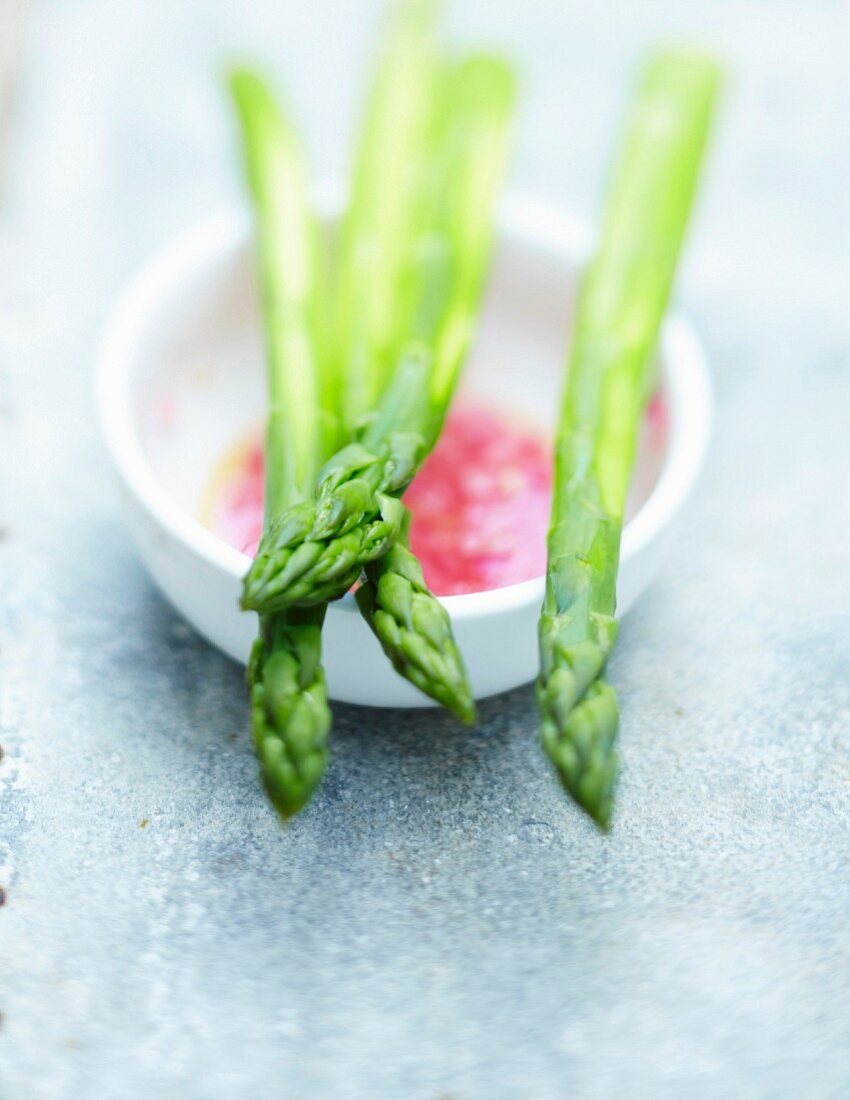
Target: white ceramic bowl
[[181, 377]]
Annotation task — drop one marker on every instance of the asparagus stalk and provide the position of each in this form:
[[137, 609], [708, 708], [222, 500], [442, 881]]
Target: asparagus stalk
[[411, 625], [310, 556], [620, 307], [391, 187], [289, 706], [390, 170]]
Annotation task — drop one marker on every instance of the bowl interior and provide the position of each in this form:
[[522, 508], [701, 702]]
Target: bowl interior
[[197, 385]]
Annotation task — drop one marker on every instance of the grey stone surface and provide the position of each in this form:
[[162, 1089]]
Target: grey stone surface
[[440, 923]]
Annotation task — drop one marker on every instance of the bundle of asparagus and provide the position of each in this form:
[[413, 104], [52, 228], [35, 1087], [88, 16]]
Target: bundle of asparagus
[[352, 416], [414, 253], [621, 303]]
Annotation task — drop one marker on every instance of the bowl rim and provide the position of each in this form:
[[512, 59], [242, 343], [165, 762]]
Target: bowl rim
[[552, 231]]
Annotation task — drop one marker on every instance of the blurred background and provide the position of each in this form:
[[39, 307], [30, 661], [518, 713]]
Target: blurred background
[[478, 940]]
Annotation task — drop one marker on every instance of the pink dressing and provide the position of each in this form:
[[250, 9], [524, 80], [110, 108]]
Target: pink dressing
[[481, 504]]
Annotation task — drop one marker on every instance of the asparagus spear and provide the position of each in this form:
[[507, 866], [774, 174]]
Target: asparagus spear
[[620, 307], [310, 556], [289, 706], [390, 170], [391, 187]]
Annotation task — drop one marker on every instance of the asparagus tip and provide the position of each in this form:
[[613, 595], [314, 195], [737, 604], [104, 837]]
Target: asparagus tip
[[582, 747]]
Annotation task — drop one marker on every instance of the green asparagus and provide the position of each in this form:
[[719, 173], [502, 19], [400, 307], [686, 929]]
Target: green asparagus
[[289, 706], [620, 307], [414, 629], [309, 556], [389, 178], [393, 181]]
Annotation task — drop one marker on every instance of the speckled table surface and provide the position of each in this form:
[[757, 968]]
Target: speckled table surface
[[440, 923]]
